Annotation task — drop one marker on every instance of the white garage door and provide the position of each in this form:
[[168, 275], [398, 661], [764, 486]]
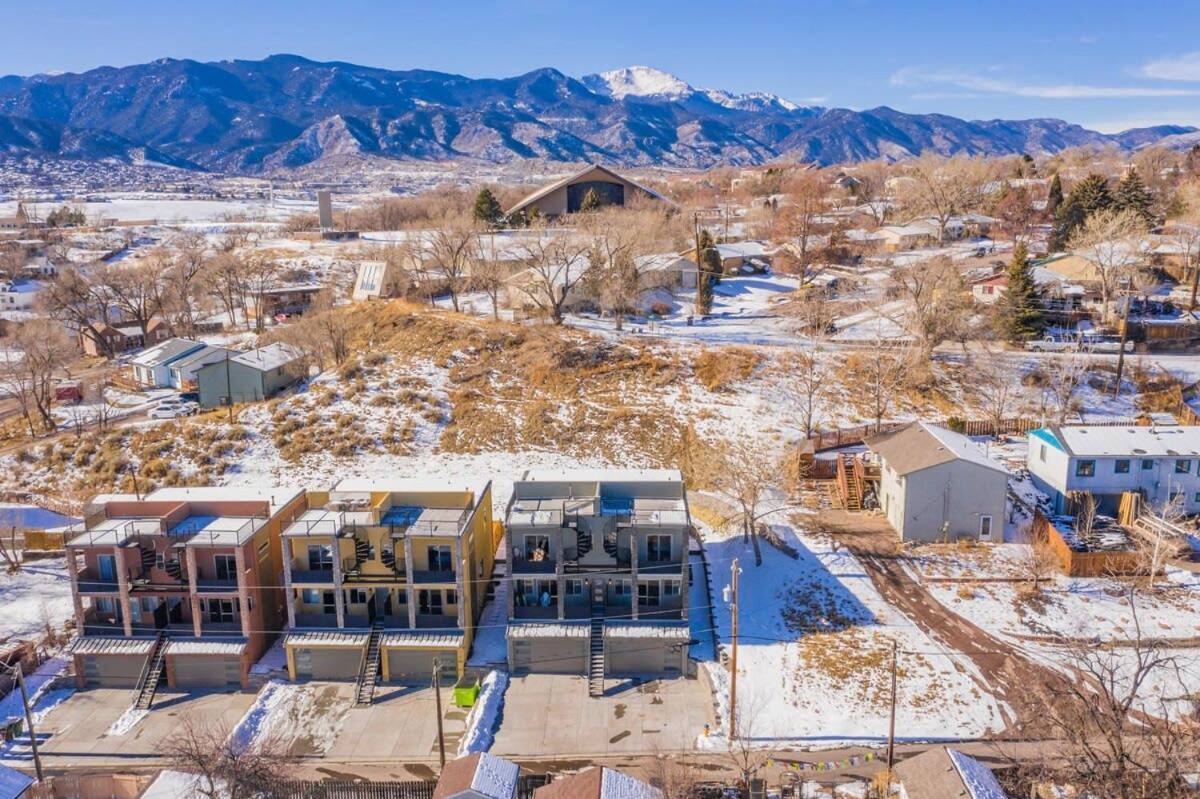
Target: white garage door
[[112, 671], [407, 666], [640, 657], [550, 656], [207, 671], [328, 664]]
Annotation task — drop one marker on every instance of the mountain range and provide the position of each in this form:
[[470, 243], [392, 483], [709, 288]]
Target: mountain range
[[285, 111]]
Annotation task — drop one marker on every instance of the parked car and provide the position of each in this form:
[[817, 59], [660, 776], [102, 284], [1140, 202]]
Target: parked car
[[173, 409], [1083, 342]]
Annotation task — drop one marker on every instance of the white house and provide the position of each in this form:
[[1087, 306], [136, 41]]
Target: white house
[[152, 368], [1161, 462], [183, 371], [937, 485], [19, 294]]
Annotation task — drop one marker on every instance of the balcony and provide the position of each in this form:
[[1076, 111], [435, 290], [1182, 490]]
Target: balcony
[[312, 576], [90, 582], [521, 565], [436, 621], [433, 577], [214, 586]]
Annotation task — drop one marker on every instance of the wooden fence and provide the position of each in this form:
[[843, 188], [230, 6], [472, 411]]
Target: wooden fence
[[363, 789], [100, 786], [1095, 563]]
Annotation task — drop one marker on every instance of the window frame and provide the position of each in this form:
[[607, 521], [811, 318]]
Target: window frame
[[657, 537], [1185, 463], [1085, 467], [229, 565], [1119, 462]]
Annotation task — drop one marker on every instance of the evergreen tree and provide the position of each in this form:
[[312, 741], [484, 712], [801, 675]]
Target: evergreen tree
[[487, 208], [1132, 195], [1088, 196], [591, 201], [1021, 305], [711, 263], [1055, 198], [704, 292]]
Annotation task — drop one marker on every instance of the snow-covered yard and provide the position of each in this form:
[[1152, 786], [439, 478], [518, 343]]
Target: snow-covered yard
[[302, 719], [815, 643], [34, 597]]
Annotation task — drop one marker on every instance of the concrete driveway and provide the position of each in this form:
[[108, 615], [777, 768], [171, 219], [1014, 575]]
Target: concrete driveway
[[548, 715], [401, 724], [75, 732]]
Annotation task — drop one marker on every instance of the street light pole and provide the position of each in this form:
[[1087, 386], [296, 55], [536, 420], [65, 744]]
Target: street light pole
[[37, 759], [437, 693], [891, 749], [733, 731]]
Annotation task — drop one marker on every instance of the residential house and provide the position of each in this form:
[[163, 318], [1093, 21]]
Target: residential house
[[123, 336], [598, 782], [152, 367], [897, 238], [528, 288], [14, 784], [945, 773], [740, 257], [598, 564], [395, 570], [478, 776], [938, 485], [1160, 462], [20, 220], [186, 579], [184, 370], [567, 196], [376, 280], [248, 376], [280, 301], [20, 294], [1058, 295]]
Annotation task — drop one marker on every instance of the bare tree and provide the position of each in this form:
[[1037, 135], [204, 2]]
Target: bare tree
[[1039, 561], [934, 304], [812, 371], [260, 275], [556, 262], [1185, 232], [1085, 513], [488, 275], [81, 303], [31, 357], [183, 283], [879, 374], [225, 276], [453, 247], [618, 276], [999, 392], [137, 290], [1065, 374], [942, 187], [744, 473], [798, 221], [872, 191], [223, 766], [1112, 241]]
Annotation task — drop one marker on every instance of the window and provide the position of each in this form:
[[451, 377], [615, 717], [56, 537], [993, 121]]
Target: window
[[105, 605], [1042, 452], [1085, 469], [226, 567], [440, 559], [658, 548], [329, 604], [574, 587], [107, 565], [985, 528], [537, 547], [1183, 466], [1147, 464], [451, 597], [648, 594], [311, 596], [1197, 497], [671, 588], [1121, 466], [220, 611], [357, 596], [320, 557], [622, 588], [429, 602]]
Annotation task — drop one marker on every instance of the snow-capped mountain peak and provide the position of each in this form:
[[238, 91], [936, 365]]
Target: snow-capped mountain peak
[[637, 81]]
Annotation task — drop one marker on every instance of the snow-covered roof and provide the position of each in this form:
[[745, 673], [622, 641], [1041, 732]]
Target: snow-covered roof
[[519, 630], [599, 782], [672, 631], [944, 773], [478, 776], [206, 646], [921, 445], [603, 475], [979, 781], [108, 645], [207, 354], [170, 350], [325, 638], [409, 485], [21, 286], [1130, 440], [270, 357], [423, 639], [277, 497], [13, 783], [171, 784], [742, 249]]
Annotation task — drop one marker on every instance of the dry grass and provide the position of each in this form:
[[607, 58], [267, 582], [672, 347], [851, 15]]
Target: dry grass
[[718, 370]]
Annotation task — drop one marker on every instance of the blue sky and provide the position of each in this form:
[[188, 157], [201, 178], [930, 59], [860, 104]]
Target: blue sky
[[1108, 65]]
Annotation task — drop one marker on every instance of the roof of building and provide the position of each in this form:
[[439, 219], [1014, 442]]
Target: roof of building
[[207, 354], [945, 773], [206, 646], [267, 358], [423, 639], [598, 782], [167, 352], [484, 774], [602, 475], [110, 645], [13, 783], [921, 445], [1130, 440], [569, 179], [326, 638], [672, 631], [410, 485], [276, 497], [171, 784], [541, 629]]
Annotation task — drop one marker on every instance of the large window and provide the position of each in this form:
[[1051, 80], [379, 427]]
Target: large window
[[1183, 466], [537, 547], [220, 611], [311, 596], [648, 594], [429, 601], [226, 567], [1121, 466], [658, 548], [320, 557], [440, 559], [1085, 469], [607, 193]]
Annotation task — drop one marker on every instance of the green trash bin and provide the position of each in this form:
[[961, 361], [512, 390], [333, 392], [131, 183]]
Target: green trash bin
[[466, 692]]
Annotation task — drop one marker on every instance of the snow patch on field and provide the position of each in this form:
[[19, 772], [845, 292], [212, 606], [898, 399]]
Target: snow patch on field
[[37, 595], [304, 719], [128, 720]]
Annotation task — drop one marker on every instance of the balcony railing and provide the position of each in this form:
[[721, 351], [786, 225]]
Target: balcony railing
[[421, 577], [317, 576], [522, 565]]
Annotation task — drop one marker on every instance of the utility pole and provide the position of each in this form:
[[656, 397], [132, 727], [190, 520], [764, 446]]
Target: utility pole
[[733, 610], [228, 387], [701, 276], [37, 759], [437, 693], [1121, 346], [891, 750]]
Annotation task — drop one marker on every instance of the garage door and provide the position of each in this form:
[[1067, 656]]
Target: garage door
[[550, 656], [636, 657], [417, 667], [207, 671], [328, 664], [112, 671]]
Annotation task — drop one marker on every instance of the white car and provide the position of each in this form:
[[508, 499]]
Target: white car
[[173, 409]]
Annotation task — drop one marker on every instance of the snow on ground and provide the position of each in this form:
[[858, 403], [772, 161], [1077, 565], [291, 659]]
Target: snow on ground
[[490, 644], [127, 721], [815, 653], [484, 718], [30, 517], [44, 696], [305, 719], [273, 660], [36, 685], [36, 596]]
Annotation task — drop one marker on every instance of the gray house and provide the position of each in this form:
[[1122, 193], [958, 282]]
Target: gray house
[[938, 485], [248, 376]]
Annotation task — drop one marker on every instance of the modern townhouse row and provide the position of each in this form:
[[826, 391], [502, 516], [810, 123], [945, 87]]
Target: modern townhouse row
[[375, 580]]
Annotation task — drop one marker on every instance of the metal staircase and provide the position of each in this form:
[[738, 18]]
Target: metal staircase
[[148, 557], [174, 568], [610, 543], [368, 672], [596, 653], [152, 672]]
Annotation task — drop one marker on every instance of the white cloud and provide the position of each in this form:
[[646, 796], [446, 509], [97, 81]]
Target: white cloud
[[1181, 67], [915, 76], [1182, 116]]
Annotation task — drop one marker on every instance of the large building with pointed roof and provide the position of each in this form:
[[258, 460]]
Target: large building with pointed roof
[[566, 196]]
